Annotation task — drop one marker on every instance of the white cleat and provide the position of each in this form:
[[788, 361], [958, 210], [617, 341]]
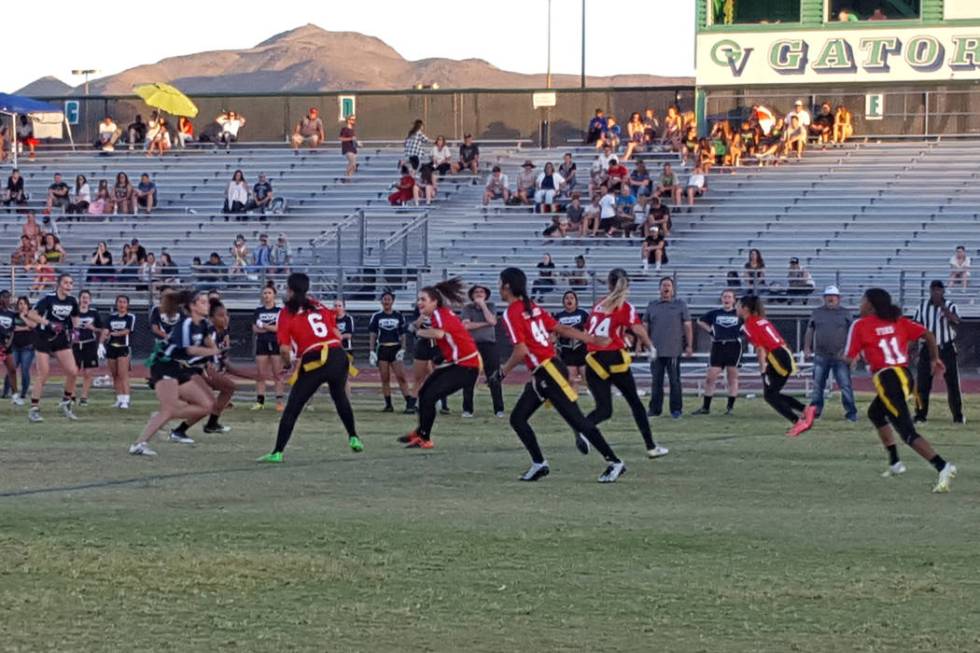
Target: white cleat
[[34, 415], [894, 470], [181, 438], [499, 414], [613, 472], [467, 415], [947, 474], [536, 472], [657, 452], [17, 400], [140, 449], [66, 410], [123, 406]]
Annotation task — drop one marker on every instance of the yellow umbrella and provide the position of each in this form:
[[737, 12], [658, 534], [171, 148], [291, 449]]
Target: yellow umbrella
[[166, 98]]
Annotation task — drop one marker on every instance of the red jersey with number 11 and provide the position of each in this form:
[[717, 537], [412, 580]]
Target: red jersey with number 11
[[762, 333], [308, 328], [612, 325], [882, 343], [533, 328]]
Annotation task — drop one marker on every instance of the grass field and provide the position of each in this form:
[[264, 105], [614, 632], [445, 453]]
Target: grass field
[[739, 540]]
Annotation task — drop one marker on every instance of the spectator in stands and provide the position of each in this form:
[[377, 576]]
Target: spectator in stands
[[690, 145], [668, 185], [605, 157], [843, 126], [651, 127], [658, 216], [469, 156], [822, 127], [755, 272], [262, 255], [614, 134], [634, 134], [416, 144], [109, 133], [52, 250], [231, 123], [959, 268], [607, 211], [25, 253], [625, 210], [240, 256], [673, 129], [100, 264], [617, 175], [735, 150], [596, 131], [654, 248], [102, 203], [25, 135], [496, 187], [32, 229], [575, 213], [168, 271], [161, 138], [146, 193], [525, 183], [442, 156], [847, 16], [763, 117], [153, 128], [795, 138], [139, 252], [799, 281], [773, 145], [559, 226], [136, 131], [124, 195], [750, 138], [59, 194], [801, 114], [545, 282], [214, 271], [405, 189], [348, 145], [4, 144], [669, 324], [598, 176], [82, 198], [578, 276], [567, 169], [236, 196], [547, 186], [425, 187], [282, 255], [593, 214], [309, 130], [148, 273], [878, 14], [185, 131], [706, 154], [261, 194], [697, 186], [14, 193]]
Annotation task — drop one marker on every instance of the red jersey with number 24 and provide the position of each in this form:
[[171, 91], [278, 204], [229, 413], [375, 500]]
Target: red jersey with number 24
[[308, 329], [612, 325], [457, 344], [533, 328], [762, 333], [882, 343]]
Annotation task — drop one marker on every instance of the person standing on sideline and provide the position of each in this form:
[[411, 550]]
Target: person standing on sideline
[[725, 326], [826, 335], [669, 324], [480, 319], [348, 145], [941, 317]]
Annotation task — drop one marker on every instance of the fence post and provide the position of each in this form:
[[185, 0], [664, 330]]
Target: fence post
[[901, 287], [340, 281], [595, 291], [925, 120], [362, 232], [405, 250], [425, 241], [339, 246]]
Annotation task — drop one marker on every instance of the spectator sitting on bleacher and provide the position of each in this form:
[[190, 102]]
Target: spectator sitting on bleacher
[[469, 156], [559, 226], [634, 134], [58, 194], [32, 229], [843, 126], [795, 138], [236, 195], [14, 193], [240, 256], [109, 133], [605, 156], [102, 203], [136, 131], [614, 134], [496, 187], [123, 195], [309, 130], [654, 249], [261, 194], [668, 185], [282, 255], [185, 131], [146, 193], [568, 170], [168, 271], [607, 211], [525, 183], [100, 264], [705, 154], [161, 138], [593, 214], [959, 268], [547, 187], [750, 138], [697, 185], [673, 129], [25, 135], [230, 123], [802, 114], [545, 282], [771, 145], [82, 198], [575, 213], [214, 271], [139, 252], [405, 189], [425, 187], [651, 127], [152, 127], [52, 250], [25, 253], [626, 213], [690, 145], [596, 130], [617, 175], [442, 156], [755, 272], [578, 276], [658, 216], [763, 117], [822, 127], [262, 255], [415, 146], [4, 144], [148, 273], [640, 183], [799, 281], [598, 176]]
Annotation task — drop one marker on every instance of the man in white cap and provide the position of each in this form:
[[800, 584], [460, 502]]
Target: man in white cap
[[825, 340], [801, 113]]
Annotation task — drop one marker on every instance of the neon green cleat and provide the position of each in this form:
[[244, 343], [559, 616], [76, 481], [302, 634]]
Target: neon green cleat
[[355, 444], [274, 457]]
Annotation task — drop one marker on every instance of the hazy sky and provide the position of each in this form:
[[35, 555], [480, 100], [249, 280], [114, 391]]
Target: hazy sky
[[508, 33]]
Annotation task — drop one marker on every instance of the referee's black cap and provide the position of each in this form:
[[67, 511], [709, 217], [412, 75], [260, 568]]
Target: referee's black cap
[[936, 283]]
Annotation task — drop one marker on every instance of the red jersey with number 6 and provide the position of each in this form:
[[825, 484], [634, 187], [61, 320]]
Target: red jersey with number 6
[[882, 343], [533, 328], [309, 328], [457, 344], [612, 325], [762, 333]]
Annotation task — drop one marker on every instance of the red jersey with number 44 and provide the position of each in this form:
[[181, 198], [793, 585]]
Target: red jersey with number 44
[[762, 333], [305, 330], [533, 328], [882, 343], [612, 325], [457, 344]]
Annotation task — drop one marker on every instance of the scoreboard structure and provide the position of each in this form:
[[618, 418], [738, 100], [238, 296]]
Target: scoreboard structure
[[902, 67]]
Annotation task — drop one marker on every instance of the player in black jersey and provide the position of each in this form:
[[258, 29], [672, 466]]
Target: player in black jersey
[[725, 326], [387, 335], [345, 325], [571, 351], [425, 356], [173, 366], [87, 347], [56, 316], [161, 322], [119, 329], [267, 359], [8, 317]]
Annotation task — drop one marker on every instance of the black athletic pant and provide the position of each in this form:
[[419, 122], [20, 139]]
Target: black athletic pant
[[491, 363], [333, 373], [778, 371], [672, 366], [549, 383], [923, 382], [443, 382], [605, 369], [893, 385]]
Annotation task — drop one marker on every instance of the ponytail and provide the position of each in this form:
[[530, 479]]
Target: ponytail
[[299, 285], [881, 304], [216, 305], [445, 292], [173, 301], [754, 305], [516, 281], [619, 290]]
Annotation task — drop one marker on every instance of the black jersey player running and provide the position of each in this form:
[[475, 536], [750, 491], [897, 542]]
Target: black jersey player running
[[530, 329], [267, 360], [572, 351], [387, 334], [57, 317], [119, 329], [725, 327], [87, 348]]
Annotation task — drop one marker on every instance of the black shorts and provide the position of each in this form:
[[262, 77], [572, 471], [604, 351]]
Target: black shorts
[[387, 354], [726, 353], [265, 347], [169, 370], [425, 349], [573, 357], [48, 343], [893, 387], [86, 355], [112, 352]]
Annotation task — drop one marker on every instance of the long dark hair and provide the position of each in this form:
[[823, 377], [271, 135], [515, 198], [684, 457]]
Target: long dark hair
[[516, 281], [881, 304], [299, 284], [445, 292], [173, 301], [215, 304], [416, 126], [754, 305]]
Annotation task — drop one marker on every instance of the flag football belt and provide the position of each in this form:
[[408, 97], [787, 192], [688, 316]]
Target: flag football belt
[[475, 354], [603, 372], [903, 379], [313, 363], [559, 379], [778, 366]]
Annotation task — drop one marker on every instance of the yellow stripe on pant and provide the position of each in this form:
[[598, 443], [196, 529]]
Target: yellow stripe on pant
[[602, 372], [883, 393], [558, 378], [312, 365], [776, 365]]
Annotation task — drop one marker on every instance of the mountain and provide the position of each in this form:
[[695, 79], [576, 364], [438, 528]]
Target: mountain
[[45, 87], [311, 59]]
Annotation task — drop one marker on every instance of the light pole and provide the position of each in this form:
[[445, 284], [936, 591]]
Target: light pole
[[583, 43], [86, 72], [548, 80]]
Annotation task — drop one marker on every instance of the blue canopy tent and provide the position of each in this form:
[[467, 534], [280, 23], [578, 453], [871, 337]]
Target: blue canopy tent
[[16, 105]]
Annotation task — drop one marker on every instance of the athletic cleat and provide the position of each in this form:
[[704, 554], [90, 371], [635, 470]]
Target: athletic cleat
[[701, 411], [613, 472], [355, 444], [426, 444], [414, 442], [442, 411], [280, 407], [810, 415], [66, 410], [274, 457], [408, 437], [499, 413], [800, 427], [387, 409], [466, 415], [83, 402], [536, 472], [17, 400], [124, 405], [34, 415], [177, 436], [140, 449], [919, 419], [216, 428], [894, 470], [257, 406], [582, 444], [729, 412], [945, 476], [657, 452]]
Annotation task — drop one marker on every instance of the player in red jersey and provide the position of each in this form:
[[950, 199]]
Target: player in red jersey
[[462, 360], [310, 329], [530, 329], [609, 365], [776, 363], [882, 336]]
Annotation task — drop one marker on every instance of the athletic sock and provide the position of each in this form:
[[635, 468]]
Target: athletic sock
[[66, 397], [892, 454], [279, 399], [182, 428], [260, 399], [387, 401], [35, 403], [212, 420], [707, 403], [731, 402], [937, 462], [444, 404]]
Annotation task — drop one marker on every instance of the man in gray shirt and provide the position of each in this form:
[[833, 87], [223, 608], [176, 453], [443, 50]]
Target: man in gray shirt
[[480, 319], [669, 324], [825, 339]]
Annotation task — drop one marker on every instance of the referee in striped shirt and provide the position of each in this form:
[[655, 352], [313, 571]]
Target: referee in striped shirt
[[940, 316]]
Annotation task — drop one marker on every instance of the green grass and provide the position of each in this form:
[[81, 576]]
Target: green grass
[[739, 540]]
